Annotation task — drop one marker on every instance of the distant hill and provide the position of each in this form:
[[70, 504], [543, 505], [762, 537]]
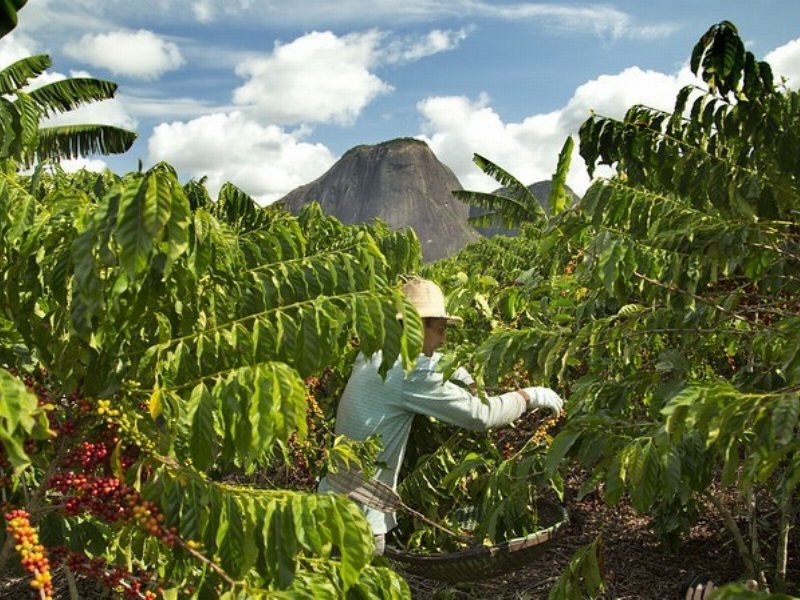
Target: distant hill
[[540, 189], [400, 182]]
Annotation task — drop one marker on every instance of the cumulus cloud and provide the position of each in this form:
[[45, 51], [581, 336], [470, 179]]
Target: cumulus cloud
[[456, 127], [318, 77], [612, 95], [264, 161], [324, 78], [90, 164], [785, 62], [14, 47], [140, 54]]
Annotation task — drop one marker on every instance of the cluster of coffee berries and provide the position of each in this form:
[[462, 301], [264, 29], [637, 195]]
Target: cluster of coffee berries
[[506, 450], [534, 428], [82, 492], [111, 500], [32, 554], [306, 455], [41, 384], [123, 424], [113, 577], [88, 455], [542, 434]]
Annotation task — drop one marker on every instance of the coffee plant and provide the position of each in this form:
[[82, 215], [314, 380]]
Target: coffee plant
[[664, 304], [155, 352], [170, 362]]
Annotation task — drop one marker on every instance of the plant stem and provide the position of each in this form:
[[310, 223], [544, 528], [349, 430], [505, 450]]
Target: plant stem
[[211, 564], [733, 528], [782, 553], [73, 586], [755, 551]]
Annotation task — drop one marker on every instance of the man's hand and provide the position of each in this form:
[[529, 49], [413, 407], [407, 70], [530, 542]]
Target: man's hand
[[542, 397]]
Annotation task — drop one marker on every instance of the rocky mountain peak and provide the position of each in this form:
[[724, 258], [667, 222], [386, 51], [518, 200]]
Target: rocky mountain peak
[[400, 182]]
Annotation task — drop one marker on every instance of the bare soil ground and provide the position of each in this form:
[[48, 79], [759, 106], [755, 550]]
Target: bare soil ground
[[636, 564]]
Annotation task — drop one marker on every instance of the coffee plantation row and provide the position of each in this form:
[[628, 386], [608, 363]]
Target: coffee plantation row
[[170, 363]]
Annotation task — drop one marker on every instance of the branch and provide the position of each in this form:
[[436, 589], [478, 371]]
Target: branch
[[782, 554], [733, 528], [755, 549], [250, 317], [706, 301], [211, 564], [693, 148]]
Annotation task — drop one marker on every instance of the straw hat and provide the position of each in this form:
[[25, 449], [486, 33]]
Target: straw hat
[[428, 299]]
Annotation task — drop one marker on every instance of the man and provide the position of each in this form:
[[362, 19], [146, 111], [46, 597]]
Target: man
[[371, 404]]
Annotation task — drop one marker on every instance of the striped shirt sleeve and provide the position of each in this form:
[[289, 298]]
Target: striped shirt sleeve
[[426, 393]]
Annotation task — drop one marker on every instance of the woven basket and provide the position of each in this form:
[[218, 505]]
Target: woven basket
[[481, 562]]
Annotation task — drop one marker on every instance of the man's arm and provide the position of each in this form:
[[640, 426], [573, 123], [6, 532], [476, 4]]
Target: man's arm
[[462, 377], [426, 393]]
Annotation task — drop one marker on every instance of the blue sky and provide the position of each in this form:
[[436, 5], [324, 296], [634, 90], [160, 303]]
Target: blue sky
[[269, 94]]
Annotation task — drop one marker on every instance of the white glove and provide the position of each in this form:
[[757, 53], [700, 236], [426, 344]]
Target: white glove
[[542, 397]]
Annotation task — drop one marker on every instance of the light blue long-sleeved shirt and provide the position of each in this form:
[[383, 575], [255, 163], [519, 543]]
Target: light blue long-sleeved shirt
[[371, 405]]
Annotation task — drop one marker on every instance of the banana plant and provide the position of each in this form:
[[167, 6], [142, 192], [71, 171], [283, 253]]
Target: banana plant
[[515, 203], [24, 140], [8, 15]]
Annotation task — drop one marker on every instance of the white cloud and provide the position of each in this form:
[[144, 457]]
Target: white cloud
[[90, 164], [203, 11], [456, 127], [785, 62], [14, 47], [161, 108], [264, 161], [207, 11], [612, 95], [141, 54], [324, 78], [556, 17], [55, 15], [316, 78], [412, 48], [603, 21]]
